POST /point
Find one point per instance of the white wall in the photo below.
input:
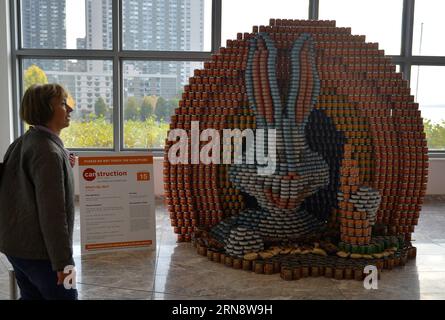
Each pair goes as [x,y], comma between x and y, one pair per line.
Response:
[6,132]
[436,177]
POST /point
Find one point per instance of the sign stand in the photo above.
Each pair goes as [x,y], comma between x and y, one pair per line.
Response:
[117,206]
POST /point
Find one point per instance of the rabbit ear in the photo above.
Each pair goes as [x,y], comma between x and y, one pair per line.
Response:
[261,81]
[304,87]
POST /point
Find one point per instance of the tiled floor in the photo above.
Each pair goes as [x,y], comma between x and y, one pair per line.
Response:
[175,271]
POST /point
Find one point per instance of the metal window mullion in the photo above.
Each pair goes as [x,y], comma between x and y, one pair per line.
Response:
[65,54]
[406,71]
[119,125]
[165,55]
[15,70]
[216,25]
[313,9]
[117,106]
[407,28]
[107,54]
[407,37]
[117,26]
[427,60]
[17,6]
[436,154]
[397,59]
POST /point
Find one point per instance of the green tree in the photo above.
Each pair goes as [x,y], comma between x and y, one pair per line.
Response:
[153,100]
[98,133]
[101,108]
[161,109]
[172,105]
[93,133]
[131,111]
[165,108]
[34,75]
[145,134]
[435,134]
[147,108]
[179,94]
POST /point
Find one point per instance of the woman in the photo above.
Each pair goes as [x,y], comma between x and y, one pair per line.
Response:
[37,198]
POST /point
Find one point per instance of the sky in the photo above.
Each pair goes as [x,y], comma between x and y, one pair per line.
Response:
[379,20]
[75,22]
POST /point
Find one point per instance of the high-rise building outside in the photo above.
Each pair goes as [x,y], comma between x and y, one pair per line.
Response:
[161,25]
[43,27]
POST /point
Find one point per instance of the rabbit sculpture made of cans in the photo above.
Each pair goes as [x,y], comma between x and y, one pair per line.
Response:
[300,171]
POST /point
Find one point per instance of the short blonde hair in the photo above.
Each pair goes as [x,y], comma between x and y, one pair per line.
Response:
[36,108]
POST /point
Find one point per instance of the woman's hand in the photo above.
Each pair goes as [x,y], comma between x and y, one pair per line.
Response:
[61,276]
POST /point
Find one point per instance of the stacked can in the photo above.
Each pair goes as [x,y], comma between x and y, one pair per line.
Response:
[364,125]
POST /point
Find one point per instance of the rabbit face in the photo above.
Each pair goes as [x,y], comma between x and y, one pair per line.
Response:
[284,191]
[300,171]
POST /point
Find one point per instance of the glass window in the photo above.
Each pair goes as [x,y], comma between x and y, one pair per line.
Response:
[165,26]
[379,20]
[56,24]
[427,86]
[428,28]
[241,16]
[91,122]
[152,90]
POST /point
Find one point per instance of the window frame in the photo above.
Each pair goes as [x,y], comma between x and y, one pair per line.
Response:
[117,55]
[406,59]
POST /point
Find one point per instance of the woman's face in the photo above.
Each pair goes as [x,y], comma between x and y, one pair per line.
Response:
[61,116]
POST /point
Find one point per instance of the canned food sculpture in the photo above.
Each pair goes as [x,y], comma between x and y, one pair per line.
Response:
[351,155]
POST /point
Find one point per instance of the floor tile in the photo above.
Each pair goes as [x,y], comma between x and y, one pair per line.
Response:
[90,292]
[174,271]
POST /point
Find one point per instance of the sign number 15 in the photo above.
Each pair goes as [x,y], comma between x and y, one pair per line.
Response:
[143,176]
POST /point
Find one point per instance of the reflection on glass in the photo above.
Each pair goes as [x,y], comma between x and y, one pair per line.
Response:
[427,86]
[429,24]
[379,20]
[241,16]
[90,84]
[152,90]
[167,25]
[67,24]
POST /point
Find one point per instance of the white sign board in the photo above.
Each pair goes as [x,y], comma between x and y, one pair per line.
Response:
[117,208]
